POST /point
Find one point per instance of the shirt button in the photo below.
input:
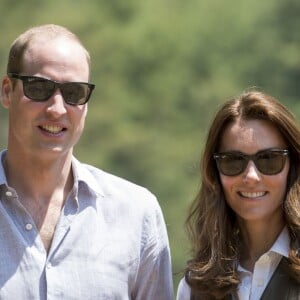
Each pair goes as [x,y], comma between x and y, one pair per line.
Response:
[49,266]
[8,193]
[28,226]
[260,282]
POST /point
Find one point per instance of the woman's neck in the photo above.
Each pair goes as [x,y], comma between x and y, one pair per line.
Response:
[257,238]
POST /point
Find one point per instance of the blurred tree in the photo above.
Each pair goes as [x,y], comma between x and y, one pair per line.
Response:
[161,68]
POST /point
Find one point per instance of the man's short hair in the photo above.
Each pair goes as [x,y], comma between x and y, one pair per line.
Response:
[37,34]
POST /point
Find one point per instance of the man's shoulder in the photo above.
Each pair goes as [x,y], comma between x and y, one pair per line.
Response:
[115,180]
[112,185]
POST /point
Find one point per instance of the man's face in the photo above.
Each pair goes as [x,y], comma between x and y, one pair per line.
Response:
[51,127]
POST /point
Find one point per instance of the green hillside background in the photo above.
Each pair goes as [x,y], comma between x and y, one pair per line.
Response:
[161,69]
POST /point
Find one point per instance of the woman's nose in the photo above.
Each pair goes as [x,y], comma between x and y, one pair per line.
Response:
[251,172]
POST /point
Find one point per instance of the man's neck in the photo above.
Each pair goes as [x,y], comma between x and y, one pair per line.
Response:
[42,189]
[37,178]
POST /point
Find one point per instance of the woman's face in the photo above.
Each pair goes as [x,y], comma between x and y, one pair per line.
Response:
[252,195]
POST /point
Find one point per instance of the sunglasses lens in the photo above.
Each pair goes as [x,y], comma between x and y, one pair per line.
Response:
[75,93]
[41,89]
[270,162]
[38,89]
[231,164]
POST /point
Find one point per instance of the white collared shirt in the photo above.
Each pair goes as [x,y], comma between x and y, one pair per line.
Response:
[253,284]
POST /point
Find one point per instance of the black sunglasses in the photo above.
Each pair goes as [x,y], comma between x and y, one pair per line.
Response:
[268,162]
[41,89]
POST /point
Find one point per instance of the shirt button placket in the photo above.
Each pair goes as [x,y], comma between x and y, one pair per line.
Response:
[8,193]
[28,226]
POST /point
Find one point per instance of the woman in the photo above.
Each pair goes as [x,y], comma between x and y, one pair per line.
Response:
[244,224]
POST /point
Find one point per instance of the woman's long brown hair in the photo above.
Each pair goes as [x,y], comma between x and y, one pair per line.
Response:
[211,224]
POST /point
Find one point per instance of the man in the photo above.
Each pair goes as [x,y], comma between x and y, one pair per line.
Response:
[68,230]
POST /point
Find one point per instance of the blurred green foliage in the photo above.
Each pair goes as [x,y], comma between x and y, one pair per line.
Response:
[161,68]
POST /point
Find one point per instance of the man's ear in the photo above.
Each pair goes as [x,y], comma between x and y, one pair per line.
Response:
[6,90]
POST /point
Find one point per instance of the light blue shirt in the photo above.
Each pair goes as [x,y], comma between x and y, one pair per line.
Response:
[110,243]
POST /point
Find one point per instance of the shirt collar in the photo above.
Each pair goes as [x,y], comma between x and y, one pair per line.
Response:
[86,174]
[280,247]
[81,174]
[2,172]
[282,243]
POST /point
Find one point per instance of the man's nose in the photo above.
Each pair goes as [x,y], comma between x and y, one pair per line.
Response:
[56,104]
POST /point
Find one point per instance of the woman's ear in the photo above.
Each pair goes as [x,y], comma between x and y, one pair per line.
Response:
[6,90]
